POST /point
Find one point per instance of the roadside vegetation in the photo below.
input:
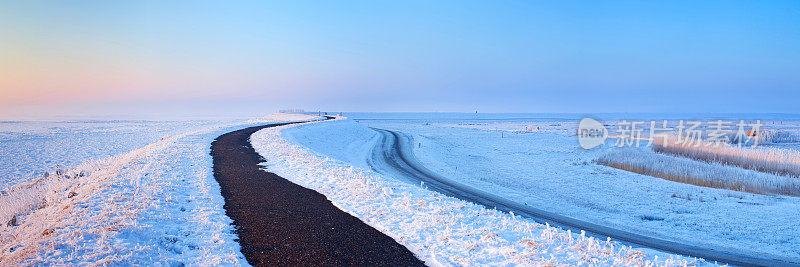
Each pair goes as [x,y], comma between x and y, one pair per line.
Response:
[778,137]
[710,173]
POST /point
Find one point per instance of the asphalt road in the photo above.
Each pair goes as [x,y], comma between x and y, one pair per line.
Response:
[280,223]
[393,155]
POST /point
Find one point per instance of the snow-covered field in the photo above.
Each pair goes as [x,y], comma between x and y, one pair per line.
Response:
[158,204]
[30,148]
[547,169]
[329,157]
[559,127]
[144,193]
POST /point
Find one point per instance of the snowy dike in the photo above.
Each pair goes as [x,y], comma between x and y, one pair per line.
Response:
[158,204]
[330,158]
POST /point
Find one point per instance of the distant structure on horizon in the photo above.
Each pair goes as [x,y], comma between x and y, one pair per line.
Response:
[296,110]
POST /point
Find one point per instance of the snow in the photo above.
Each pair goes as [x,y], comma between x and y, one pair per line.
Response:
[158,204]
[685,170]
[143,193]
[329,138]
[29,148]
[328,157]
[549,171]
[559,127]
[776,160]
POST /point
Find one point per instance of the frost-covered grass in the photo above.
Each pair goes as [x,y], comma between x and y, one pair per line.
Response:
[685,170]
[30,148]
[551,172]
[765,159]
[441,230]
[37,193]
[156,205]
[778,136]
[66,208]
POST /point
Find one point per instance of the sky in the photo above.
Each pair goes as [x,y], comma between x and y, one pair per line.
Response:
[130,59]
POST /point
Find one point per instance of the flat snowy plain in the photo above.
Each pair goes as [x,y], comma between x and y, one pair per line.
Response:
[29,148]
[147,193]
[157,204]
[546,169]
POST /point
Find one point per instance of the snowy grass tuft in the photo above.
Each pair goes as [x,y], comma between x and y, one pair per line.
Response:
[156,205]
[765,159]
[92,201]
[442,230]
[685,170]
[38,192]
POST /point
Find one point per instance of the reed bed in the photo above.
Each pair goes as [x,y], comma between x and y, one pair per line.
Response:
[707,174]
[764,159]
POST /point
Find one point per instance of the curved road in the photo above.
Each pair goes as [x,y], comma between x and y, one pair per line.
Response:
[394,155]
[280,223]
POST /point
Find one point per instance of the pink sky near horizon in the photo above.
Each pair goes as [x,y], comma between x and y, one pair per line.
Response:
[94,58]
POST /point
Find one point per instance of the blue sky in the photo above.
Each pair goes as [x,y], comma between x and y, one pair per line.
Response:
[240,58]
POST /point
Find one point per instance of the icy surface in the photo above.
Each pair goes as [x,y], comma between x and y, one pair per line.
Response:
[440,230]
